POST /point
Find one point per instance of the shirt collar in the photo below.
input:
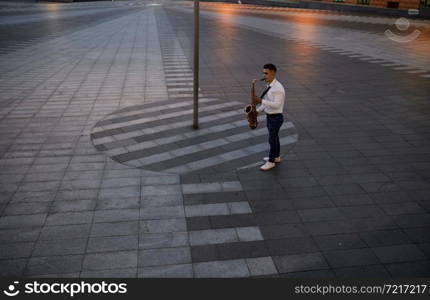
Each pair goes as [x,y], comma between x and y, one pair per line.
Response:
[273,82]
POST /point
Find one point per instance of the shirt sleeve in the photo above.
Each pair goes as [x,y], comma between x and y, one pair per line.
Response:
[260,108]
[277,102]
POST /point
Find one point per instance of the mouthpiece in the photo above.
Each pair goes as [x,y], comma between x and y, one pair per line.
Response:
[262,79]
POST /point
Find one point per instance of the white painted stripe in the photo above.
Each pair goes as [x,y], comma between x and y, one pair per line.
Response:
[176,79]
[162,117]
[180,75]
[228,156]
[175,125]
[224,235]
[175,69]
[157,108]
[229,208]
[211,187]
[185,89]
[133,145]
[404,68]
[195,148]
[417,71]
[179,84]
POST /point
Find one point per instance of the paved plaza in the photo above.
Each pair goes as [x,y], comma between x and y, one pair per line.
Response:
[102,174]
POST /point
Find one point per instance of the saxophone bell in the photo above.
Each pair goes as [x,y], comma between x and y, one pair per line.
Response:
[247,109]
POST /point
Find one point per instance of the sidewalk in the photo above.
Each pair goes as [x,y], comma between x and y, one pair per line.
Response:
[335,7]
[101,173]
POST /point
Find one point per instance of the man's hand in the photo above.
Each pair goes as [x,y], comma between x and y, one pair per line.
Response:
[254,81]
[256,100]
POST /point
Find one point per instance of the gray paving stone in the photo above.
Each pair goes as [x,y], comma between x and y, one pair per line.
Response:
[164,256]
[170,271]
[156,213]
[72,206]
[409,269]
[120,182]
[38,186]
[26,208]
[116,215]
[215,236]
[12,267]
[159,180]
[261,266]
[28,197]
[239,208]
[160,190]
[402,208]
[161,201]
[112,243]
[398,253]
[60,247]
[206,210]
[300,262]
[384,237]
[120,192]
[122,173]
[320,214]
[339,241]
[112,273]
[314,274]
[165,225]
[413,220]
[372,271]
[221,269]
[114,203]
[198,188]
[344,189]
[80,184]
[77,195]
[110,260]
[53,265]
[251,233]
[19,235]
[163,240]
[12,222]
[16,250]
[65,232]
[115,229]
[69,218]
[351,257]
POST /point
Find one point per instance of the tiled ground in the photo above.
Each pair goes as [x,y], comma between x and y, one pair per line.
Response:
[351,199]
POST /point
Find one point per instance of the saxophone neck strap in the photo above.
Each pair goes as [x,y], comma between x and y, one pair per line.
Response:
[265,92]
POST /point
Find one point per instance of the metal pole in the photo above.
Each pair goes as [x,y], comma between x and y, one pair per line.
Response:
[196,65]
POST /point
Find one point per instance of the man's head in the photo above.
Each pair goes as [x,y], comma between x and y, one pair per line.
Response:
[269,72]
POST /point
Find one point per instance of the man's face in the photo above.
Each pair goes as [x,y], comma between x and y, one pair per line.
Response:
[269,75]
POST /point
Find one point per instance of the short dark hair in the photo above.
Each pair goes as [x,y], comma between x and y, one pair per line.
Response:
[270,67]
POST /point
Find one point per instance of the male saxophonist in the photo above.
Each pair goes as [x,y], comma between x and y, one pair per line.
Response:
[272,103]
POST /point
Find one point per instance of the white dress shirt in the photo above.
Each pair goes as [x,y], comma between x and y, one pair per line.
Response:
[274,100]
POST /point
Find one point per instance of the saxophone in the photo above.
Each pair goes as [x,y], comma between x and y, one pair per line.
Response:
[251,109]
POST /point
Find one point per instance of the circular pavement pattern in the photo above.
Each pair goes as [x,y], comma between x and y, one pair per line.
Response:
[159,136]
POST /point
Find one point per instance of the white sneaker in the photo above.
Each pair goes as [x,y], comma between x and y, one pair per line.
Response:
[267,166]
[277,159]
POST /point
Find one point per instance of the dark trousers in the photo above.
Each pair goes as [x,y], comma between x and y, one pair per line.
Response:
[274,123]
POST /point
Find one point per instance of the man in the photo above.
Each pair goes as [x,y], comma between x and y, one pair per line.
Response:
[272,103]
